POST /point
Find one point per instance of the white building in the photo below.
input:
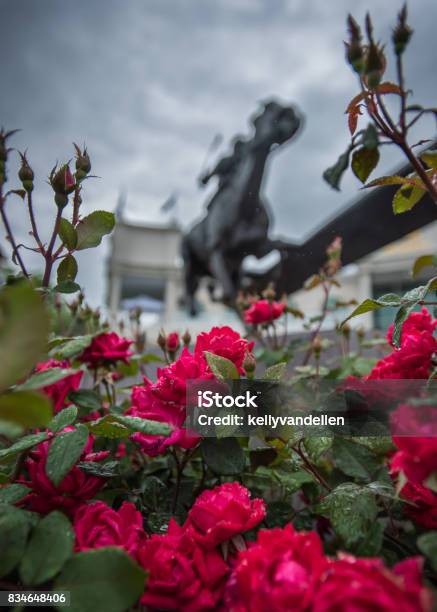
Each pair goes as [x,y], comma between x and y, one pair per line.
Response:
[145,270]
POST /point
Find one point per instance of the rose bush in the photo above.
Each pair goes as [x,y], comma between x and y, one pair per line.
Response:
[106,493]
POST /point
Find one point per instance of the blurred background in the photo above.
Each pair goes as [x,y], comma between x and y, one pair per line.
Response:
[156,89]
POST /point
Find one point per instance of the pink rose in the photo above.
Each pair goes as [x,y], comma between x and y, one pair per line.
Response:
[105,350]
[98,525]
[226,342]
[279,572]
[172,342]
[182,576]
[76,487]
[222,513]
[351,584]
[263,311]
[58,391]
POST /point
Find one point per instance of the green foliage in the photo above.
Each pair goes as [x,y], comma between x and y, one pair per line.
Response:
[354,459]
[91,229]
[10,494]
[406,197]
[221,367]
[427,544]
[22,444]
[104,579]
[49,547]
[26,408]
[352,511]
[224,456]
[64,452]
[275,372]
[14,528]
[24,328]
[364,161]
[68,234]
[65,417]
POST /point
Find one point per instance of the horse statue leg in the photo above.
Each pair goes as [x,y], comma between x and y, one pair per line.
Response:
[191,277]
[220,270]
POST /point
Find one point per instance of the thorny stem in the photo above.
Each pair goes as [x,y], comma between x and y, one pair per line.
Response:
[298,449]
[15,251]
[319,326]
[49,253]
[400,71]
[180,466]
[33,223]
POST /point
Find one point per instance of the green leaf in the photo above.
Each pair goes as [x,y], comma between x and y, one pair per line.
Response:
[430,159]
[64,452]
[427,543]
[44,378]
[317,446]
[145,426]
[14,527]
[103,470]
[67,286]
[431,482]
[401,316]
[222,368]
[12,493]
[86,400]
[406,198]
[293,481]
[50,546]
[369,305]
[354,459]
[370,137]
[67,234]
[425,261]
[109,427]
[275,372]
[27,408]
[92,228]
[224,456]
[23,444]
[333,174]
[67,269]
[371,545]
[63,419]
[352,511]
[71,347]
[103,579]
[364,161]
[394,180]
[24,327]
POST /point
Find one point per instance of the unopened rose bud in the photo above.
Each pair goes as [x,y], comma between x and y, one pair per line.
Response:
[361,333]
[62,181]
[354,49]
[249,363]
[402,32]
[186,338]
[61,200]
[172,343]
[26,174]
[375,66]
[317,346]
[161,340]
[83,163]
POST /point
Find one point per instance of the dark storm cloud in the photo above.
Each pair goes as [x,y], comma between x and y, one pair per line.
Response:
[148,83]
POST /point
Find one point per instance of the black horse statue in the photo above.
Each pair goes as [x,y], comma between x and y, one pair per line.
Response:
[237,220]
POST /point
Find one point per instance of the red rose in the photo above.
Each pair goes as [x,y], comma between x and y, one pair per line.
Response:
[413,359]
[226,342]
[263,311]
[221,513]
[76,488]
[417,456]
[58,391]
[351,584]
[279,572]
[165,401]
[182,576]
[105,350]
[98,525]
[172,342]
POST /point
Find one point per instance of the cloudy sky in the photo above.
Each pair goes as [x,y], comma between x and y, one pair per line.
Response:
[148,83]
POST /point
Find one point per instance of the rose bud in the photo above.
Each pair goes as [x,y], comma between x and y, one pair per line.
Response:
[62,181]
[172,342]
[354,50]
[25,174]
[186,338]
[402,32]
[249,363]
[375,66]
[83,163]
[161,340]
[317,346]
